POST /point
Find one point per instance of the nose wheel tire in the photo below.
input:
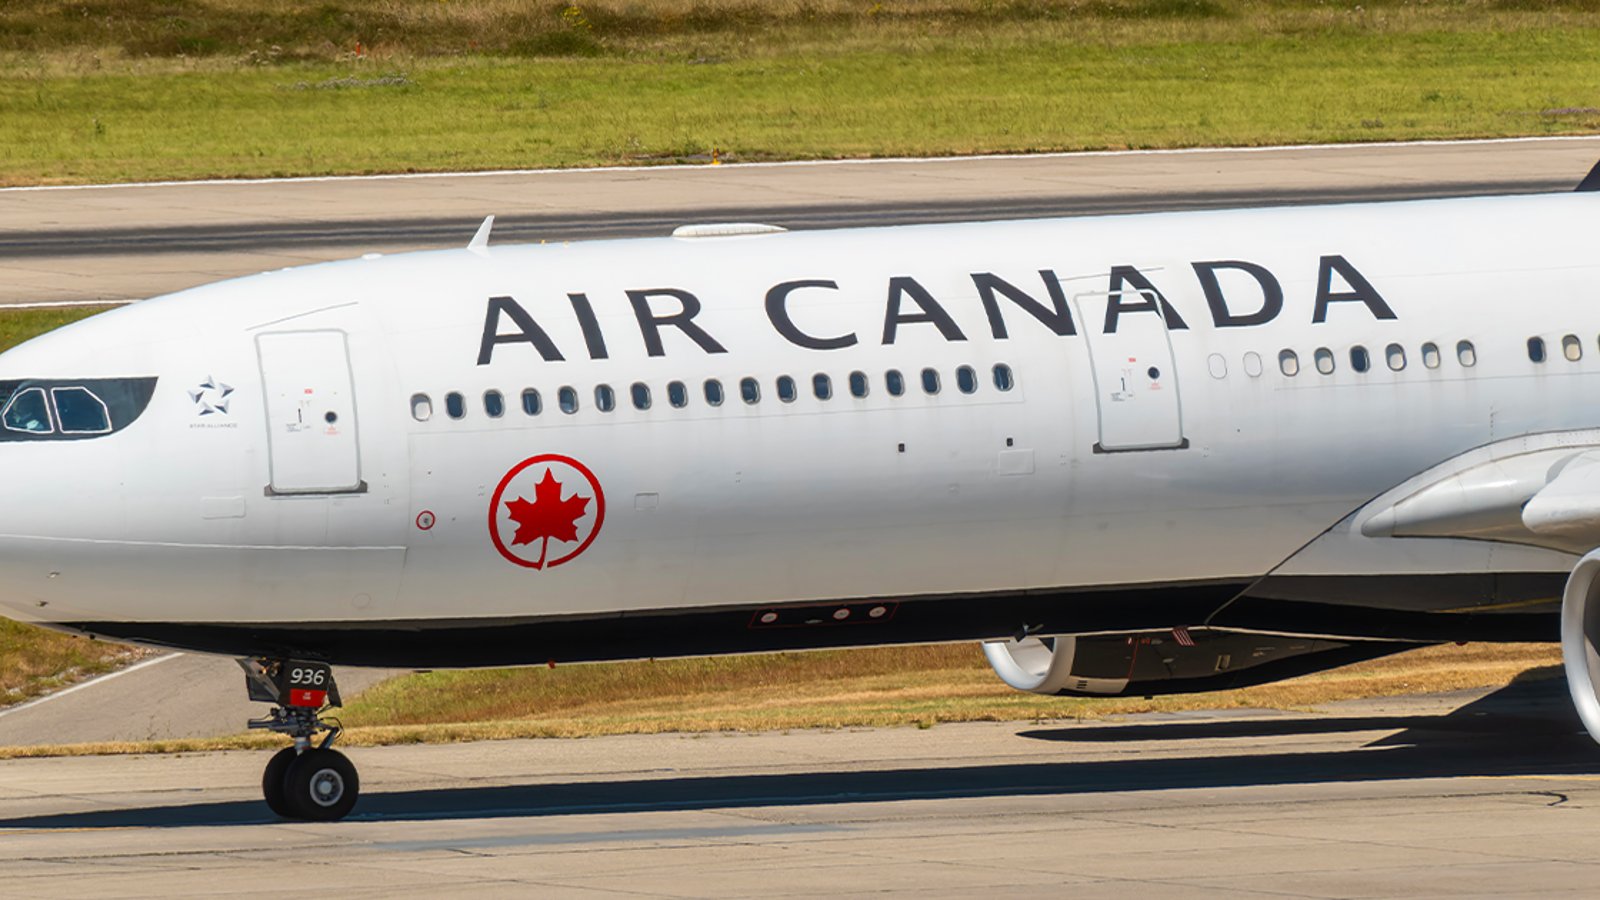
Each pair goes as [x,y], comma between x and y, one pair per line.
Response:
[318,785]
[272,782]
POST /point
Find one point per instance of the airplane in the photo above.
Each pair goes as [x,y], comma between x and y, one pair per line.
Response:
[1131,454]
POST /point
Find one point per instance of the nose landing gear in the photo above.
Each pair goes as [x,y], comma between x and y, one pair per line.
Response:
[306,781]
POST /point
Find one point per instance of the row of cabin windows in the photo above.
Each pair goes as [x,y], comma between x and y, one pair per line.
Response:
[1394,356]
[749,390]
[1571,348]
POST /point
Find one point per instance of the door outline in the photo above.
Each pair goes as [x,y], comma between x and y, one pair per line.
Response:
[1094,339]
[360,486]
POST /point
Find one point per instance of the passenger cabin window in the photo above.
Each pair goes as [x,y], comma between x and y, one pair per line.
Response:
[567,399]
[1360,360]
[677,394]
[1395,356]
[1252,364]
[1003,379]
[28,411]
[713,392]
[1466,354]
[894,382]
[455,405]
[1572,348]
[605,399]
[786,389]
[822,386]
[1288,363]
[966,380]
[1430,355]
[858,384]
[930,381]
[531,402]
[750,391]
[1536,349]
[1217,366]
[494,404]
[641,395]
[1324,358]
[421,407]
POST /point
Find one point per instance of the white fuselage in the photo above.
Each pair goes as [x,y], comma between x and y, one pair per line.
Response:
[1174,451]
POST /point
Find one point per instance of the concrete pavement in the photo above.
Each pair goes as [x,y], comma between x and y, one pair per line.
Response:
[175,695]
[1455,795]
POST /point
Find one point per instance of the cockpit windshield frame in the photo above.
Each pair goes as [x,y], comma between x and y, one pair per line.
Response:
[21,396]
[120,402]
[61,417]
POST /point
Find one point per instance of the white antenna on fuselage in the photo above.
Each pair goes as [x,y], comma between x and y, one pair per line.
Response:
[480,241]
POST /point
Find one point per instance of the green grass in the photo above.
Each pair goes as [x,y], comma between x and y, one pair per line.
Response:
[482,84]
[18,325]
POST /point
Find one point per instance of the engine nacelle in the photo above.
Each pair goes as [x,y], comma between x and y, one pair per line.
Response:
[1179,661]
[1580,628]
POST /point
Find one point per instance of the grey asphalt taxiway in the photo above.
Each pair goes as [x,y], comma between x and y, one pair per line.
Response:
[1440,796]
[127,242]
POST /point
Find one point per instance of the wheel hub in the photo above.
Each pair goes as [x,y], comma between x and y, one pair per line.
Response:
[327,787]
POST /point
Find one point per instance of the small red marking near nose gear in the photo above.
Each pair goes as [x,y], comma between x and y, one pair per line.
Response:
[426,519]
[302,697]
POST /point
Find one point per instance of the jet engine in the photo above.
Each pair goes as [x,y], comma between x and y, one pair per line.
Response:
[1180,661]
[1580,627]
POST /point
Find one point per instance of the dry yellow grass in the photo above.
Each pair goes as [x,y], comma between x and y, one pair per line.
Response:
[919,686]
[34,661]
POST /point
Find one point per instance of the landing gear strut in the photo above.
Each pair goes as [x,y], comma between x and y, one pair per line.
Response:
[309,780]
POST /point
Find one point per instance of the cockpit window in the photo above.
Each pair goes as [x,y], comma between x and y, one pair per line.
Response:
[28,411]
[71,409]
[79,411]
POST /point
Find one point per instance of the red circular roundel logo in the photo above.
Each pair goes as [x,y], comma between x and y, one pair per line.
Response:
[546,511]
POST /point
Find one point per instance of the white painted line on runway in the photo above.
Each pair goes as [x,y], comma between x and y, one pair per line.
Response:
[87,684]
[799,163]
[63,304]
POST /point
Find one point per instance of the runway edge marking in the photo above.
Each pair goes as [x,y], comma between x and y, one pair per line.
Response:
[145,664]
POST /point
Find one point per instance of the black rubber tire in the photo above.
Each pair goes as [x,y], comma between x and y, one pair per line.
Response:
[321,786]
[272,782]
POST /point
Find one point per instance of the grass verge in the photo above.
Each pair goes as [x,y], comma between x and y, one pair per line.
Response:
[34,661]
[902,686]
[227,89]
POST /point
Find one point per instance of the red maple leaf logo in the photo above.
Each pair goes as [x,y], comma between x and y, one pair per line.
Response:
[547,516]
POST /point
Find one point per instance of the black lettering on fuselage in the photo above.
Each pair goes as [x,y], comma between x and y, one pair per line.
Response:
[1271,293]
[650,323]
[528,331]
[778,314]
[1057,317]
[1123,277]
[905,286]
[593,338]
[1360,290]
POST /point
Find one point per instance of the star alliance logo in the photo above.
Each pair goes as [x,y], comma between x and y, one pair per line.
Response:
[211,397]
